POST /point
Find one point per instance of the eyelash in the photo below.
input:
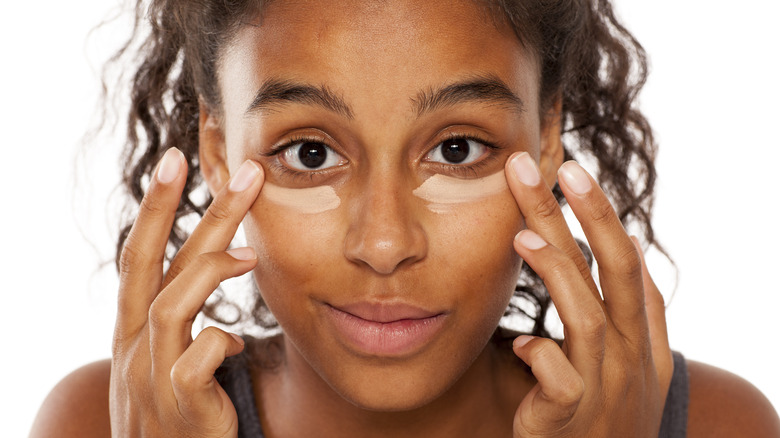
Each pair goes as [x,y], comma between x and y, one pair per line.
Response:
[286,171]
[470,170]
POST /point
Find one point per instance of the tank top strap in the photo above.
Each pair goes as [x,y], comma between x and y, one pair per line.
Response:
[674,423]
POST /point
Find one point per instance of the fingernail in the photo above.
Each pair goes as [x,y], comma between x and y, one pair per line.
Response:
[237,338]
[530,240]
[169,166]
[575,177]
[244,177]
[525,169]
[245,253]
[521,341]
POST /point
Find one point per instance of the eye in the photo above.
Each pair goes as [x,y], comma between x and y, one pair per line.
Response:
[457,151]
[309,155]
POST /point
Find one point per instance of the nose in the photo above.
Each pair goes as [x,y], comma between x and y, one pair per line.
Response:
[384,233]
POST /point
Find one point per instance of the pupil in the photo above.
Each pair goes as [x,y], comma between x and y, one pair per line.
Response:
[455,150]
[312,155]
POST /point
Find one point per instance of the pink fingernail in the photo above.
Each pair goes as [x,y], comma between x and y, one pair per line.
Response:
[530,240]
[245,253]
[244,177]
[169,166]
[575,177]
[524,167]
[521,341]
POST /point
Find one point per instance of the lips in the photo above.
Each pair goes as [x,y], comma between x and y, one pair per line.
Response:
[385,313]
[376,329]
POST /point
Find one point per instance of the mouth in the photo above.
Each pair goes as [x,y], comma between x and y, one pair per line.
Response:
[386,330]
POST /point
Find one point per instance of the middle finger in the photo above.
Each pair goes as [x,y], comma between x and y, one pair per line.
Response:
[220,222]
[620,268]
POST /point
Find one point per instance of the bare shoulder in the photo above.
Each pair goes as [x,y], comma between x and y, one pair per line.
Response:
[78,405]
[723,404]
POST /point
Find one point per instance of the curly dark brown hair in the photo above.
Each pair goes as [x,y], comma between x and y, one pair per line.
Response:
[589,62]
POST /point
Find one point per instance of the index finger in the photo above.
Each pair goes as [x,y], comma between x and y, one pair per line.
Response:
[221,220]
[542,213]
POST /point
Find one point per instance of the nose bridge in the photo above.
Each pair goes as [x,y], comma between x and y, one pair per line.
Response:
[384,232]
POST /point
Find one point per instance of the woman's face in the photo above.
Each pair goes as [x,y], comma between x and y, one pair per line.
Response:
[384,229]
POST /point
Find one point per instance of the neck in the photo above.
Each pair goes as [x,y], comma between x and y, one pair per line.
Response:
[295,401]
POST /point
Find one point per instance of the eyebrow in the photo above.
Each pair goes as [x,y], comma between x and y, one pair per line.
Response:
[276,92]
[484,89]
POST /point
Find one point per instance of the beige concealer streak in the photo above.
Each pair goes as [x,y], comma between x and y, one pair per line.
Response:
[310,200]
[444,192]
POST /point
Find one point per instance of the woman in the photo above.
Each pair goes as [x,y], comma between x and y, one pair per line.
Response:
[392,165]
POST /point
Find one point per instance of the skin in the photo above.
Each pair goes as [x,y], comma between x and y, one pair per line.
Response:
[303,201]
[609,378]
[380,240]
[445,193]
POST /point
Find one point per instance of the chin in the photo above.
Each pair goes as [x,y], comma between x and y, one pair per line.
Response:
[389,396]
[403,385]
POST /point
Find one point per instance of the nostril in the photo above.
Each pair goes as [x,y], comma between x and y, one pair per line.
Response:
[384,250]
[384,232]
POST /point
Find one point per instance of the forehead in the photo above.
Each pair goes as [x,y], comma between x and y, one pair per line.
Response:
[375,54]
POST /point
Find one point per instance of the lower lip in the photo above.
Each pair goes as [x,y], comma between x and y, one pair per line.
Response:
[395,338]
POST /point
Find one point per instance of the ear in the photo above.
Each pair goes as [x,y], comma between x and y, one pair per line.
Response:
[211,150]
[551,153]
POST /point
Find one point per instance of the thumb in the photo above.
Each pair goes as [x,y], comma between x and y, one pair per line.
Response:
[201,400]
[551,404]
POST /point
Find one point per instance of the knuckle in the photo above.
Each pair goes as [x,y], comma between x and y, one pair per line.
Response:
[209,268]
[558,265]
[161,315]
[571,391]
[131,257]
[217,213]
[593,324]
[603,213]
[548,208]
[183,376]
[212,267]
[152,206]
[627,263]
[543,350]
[214,336]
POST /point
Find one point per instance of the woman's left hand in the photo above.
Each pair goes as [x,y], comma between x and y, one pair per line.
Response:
[612,373]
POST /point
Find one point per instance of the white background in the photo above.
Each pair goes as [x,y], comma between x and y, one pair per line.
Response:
[712,98]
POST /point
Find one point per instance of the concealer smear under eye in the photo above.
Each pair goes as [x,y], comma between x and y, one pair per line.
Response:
[444,192]
[310,200]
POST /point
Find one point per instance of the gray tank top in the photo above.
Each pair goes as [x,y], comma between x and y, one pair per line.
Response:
[235,379]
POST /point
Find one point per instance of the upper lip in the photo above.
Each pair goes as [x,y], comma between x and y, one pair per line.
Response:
[385,312]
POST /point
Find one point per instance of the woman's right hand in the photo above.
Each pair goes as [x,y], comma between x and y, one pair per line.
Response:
[162,381]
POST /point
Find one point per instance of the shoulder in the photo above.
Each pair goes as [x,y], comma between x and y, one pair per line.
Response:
[78,405]
[724,404]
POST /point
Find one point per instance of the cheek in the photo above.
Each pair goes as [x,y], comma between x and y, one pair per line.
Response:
[470,266]
[473,223]
[291,247]
[475,244]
